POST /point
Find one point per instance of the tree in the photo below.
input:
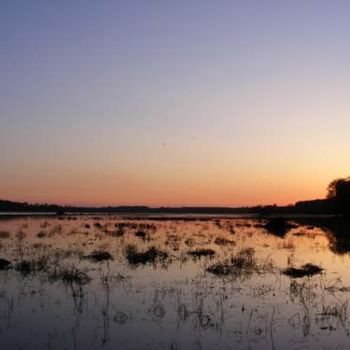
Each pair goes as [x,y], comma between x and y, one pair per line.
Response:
[339,193]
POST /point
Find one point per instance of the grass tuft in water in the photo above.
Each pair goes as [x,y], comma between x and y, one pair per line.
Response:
[305,270]
[151,256]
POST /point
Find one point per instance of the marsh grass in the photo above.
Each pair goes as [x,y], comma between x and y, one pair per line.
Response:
[337,312]
[98,256]
[4,234]
[244,263]
[69,275]
[51,268]
[41,234]
[198,253]
[141,234]
[150,256]
[305,270]
[222,241]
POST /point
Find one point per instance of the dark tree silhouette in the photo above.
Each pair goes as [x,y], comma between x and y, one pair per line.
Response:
[339,193]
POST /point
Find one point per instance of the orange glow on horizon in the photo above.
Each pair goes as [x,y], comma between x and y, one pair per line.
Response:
[163,193]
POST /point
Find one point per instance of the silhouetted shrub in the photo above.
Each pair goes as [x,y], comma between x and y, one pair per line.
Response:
[150,256]
[305,270]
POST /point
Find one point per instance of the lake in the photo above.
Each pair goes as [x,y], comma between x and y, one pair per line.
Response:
[113,282]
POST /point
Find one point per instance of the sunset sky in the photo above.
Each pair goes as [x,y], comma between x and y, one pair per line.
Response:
[222,103]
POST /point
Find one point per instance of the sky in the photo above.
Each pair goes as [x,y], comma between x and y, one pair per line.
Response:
[221,103]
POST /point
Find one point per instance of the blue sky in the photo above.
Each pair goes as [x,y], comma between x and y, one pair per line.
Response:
[250,98]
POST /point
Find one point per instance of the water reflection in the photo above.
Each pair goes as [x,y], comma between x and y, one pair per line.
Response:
[108,282]
[338,230]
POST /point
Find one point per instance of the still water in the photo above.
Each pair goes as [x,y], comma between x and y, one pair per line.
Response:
[106,282]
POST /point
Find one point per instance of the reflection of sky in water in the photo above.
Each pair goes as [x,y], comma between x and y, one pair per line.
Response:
[172,305]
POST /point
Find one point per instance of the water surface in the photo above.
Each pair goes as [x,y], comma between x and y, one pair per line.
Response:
[53,297]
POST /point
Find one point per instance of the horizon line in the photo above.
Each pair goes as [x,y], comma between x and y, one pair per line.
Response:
[155,207]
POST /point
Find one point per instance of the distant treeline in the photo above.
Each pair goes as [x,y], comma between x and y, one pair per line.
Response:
[337,202]
[308,207]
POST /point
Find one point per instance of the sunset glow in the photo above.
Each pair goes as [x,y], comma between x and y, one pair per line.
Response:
[173,103]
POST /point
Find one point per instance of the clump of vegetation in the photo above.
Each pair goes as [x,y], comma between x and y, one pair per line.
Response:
[221,269]
[305,270]
[141,234]
[98,256]
[69,275]
[151,256]
[242,264]
[24,267]
[279,226]
[223,241]
[20,235]
[148,227]
[4,234]
[245,259]
[4,264]
[56,230]
[119,231]
[288,244]
[142,230]
[48,267]
[27,267]
[41,234]
[339,311]
[126,225]
[337,287]
[189,242]
[98,225]
[198,253]
[229,226]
